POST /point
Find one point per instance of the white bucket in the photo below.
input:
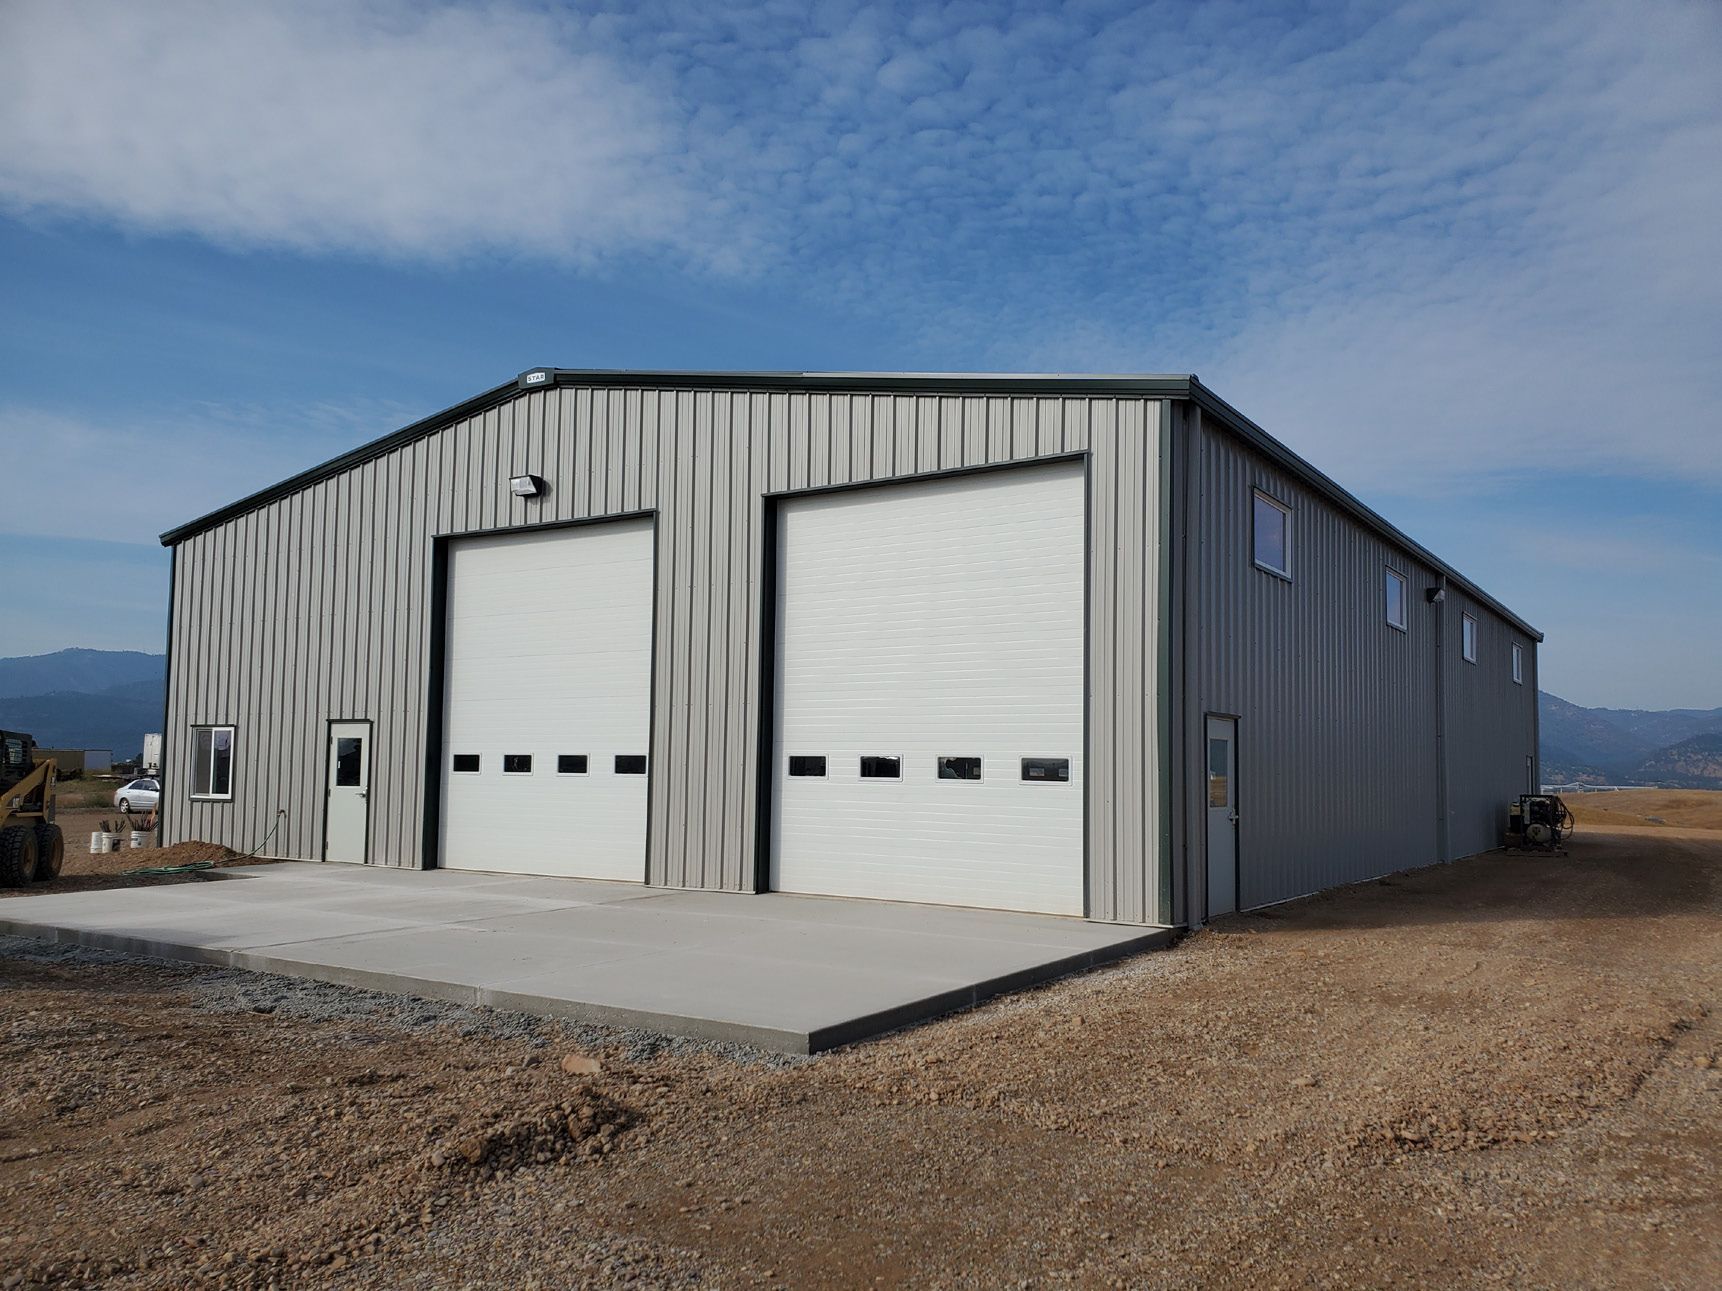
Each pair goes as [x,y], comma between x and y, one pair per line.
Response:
[140,838]
[100,842]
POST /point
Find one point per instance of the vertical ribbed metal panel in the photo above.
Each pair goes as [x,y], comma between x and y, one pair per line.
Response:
[1337,711]
[316,606]
[1491,727]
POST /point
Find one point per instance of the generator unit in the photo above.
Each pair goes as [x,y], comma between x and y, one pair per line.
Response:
[1538,822]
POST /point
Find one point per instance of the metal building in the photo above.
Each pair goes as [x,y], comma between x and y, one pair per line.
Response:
[1084,645]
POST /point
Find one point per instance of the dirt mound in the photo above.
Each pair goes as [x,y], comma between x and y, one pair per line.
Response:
[190,853]
[587,1124]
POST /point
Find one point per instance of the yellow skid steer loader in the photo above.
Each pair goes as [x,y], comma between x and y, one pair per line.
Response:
[31,845]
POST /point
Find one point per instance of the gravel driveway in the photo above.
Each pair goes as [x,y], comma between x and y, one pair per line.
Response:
[1501,1072]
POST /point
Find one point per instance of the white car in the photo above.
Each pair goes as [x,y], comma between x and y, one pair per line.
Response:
[139,795]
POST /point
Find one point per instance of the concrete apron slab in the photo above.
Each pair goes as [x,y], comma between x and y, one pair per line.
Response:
[796,974]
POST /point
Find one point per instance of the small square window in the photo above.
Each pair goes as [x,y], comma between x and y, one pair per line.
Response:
[1272,535]
[1518,664]
[465,763]
[959,768]
[1396,599]
[875,767]
[570,764]
[1046,770]
[1468,638]
[516,764]
[807,764]
[630,764]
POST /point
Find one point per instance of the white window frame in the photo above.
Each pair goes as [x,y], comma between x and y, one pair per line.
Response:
[979,757]
[1518,664]
[1393,575]
[209,795]
[1468,637]
[902,769]
[1285,510]
[1070,763]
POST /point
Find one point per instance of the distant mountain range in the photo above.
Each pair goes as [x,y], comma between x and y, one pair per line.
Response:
[84,699]
[108,699]
[1678,748]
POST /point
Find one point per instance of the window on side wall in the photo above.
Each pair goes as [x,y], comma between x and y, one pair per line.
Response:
[1518,664]
[1396,588]
[212,762]
[1468,639]
[1272,525]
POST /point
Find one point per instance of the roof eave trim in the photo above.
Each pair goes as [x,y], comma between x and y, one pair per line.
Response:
[1162,387]
[345,462]
[1324,484]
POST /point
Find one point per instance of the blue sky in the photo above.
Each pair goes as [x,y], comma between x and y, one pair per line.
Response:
[1462,256]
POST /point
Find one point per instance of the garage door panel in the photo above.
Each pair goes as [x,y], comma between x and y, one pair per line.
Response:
[548,652]
[928,619]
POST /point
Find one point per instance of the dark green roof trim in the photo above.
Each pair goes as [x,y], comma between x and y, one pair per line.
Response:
[1185,387]
[1280,455]
[345,462]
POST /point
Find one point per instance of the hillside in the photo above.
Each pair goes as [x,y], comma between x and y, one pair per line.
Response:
[1679,748]
[84,699]
[1691,764]
[78,671]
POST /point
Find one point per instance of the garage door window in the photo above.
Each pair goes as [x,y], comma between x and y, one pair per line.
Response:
[464,764]
[875,767]
[807,764]
[1046,770]
[570,764]
[630,764]
[212,762]
[959,768]
[516,764]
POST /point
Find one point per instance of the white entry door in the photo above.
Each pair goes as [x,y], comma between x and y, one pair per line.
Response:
[930,691]
[346,830]
[1222,781]
[548,668]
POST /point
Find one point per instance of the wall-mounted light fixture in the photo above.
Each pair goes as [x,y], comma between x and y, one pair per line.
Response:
[525,486]
[1435,595]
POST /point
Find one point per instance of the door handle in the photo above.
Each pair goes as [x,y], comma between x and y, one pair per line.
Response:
[1233,814]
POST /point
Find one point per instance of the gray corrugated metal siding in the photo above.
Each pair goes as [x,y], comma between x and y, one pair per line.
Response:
[1337,711]
[315,605]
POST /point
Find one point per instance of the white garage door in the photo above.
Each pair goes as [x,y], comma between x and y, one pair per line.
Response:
[930,692]
[548,666]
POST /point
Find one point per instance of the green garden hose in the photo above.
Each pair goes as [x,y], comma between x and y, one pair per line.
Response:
[151,871]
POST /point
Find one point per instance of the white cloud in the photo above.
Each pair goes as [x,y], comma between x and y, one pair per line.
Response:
[1424,243]
[379,126]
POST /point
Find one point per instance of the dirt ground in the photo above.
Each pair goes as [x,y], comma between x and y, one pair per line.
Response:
[1498,1073]
[1679,808]
[83,871]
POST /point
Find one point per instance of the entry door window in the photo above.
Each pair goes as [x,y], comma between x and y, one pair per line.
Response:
[349,762]
[1219,773]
